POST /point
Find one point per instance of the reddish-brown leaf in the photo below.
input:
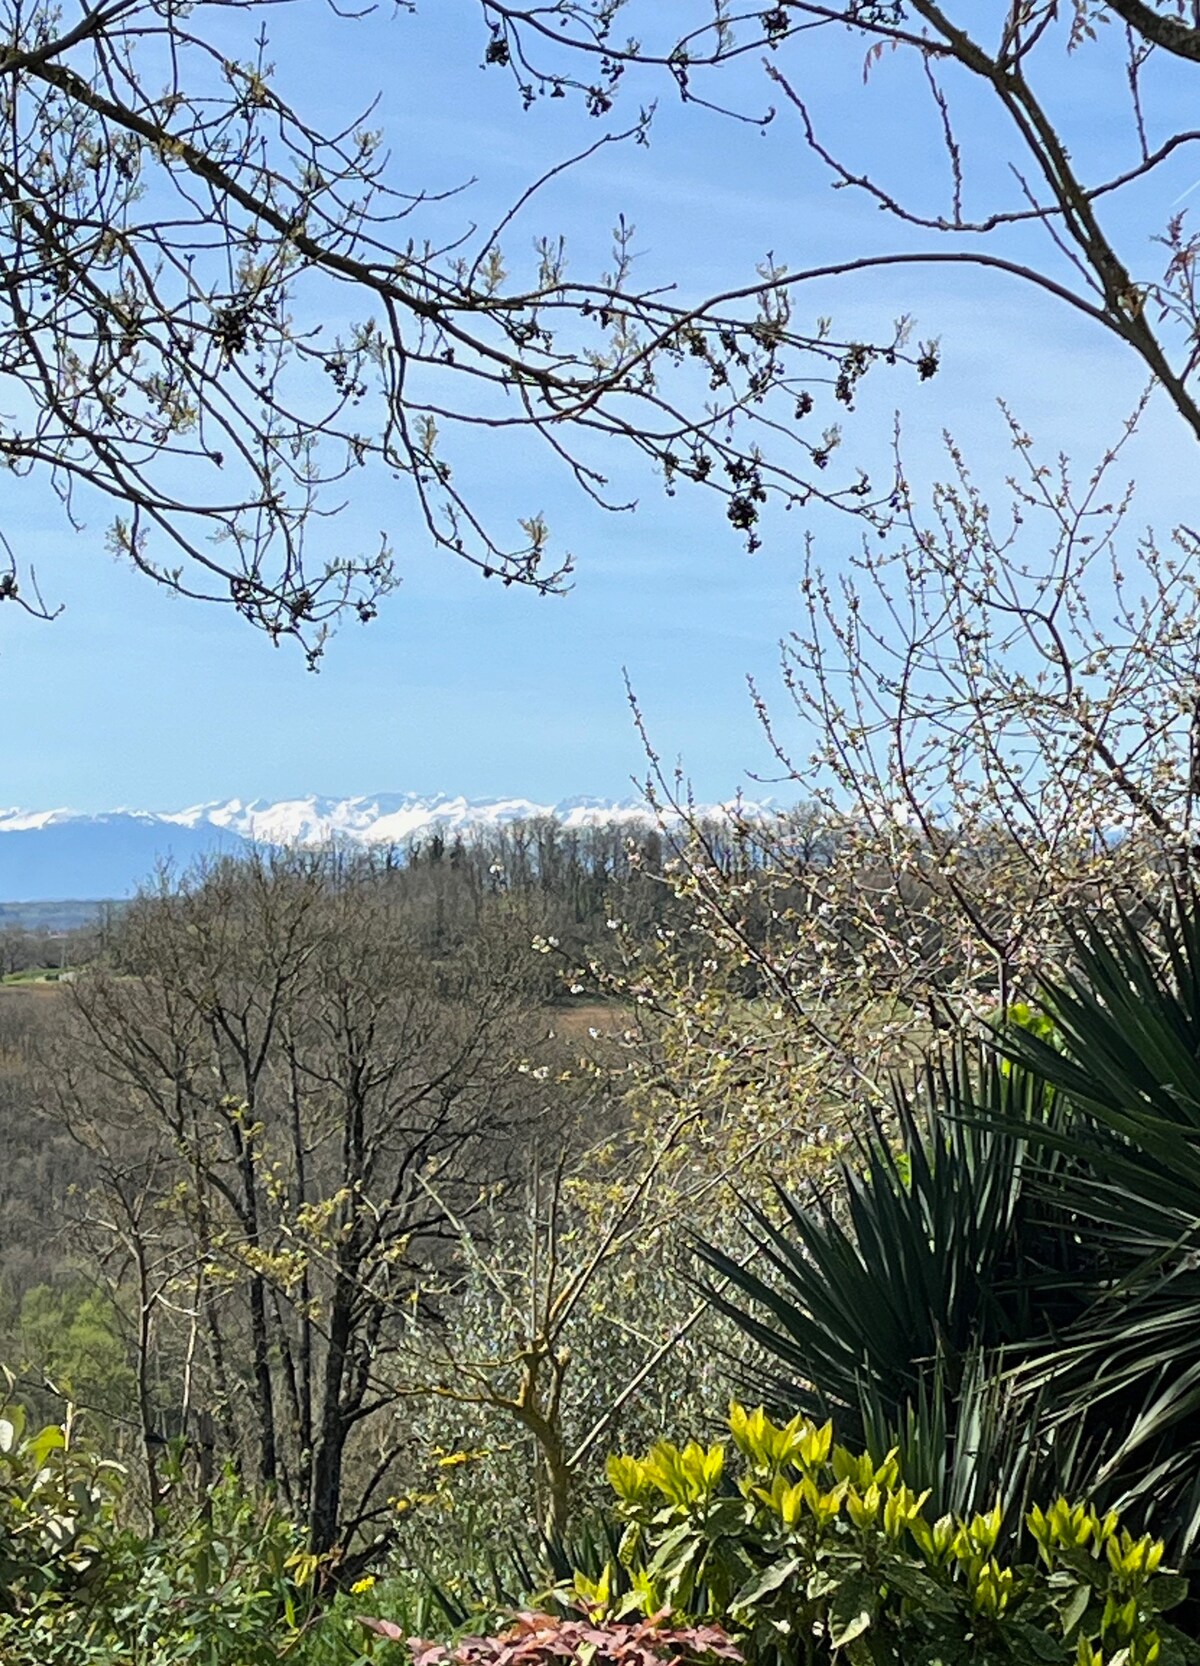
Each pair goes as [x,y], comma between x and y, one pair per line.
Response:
[385,1628]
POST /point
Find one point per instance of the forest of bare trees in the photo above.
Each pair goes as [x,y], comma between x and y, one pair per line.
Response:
[255,1134]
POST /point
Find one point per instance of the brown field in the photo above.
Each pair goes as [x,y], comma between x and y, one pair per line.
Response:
[577,1019]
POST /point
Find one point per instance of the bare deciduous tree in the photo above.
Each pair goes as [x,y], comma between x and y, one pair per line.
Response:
[1074,219]
[175,236]
[272,1076]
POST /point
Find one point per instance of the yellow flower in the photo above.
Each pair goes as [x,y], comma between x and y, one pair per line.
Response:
[453,1459]
[361,1585]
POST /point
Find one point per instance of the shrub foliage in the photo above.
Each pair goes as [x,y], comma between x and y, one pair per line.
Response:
[812,1552]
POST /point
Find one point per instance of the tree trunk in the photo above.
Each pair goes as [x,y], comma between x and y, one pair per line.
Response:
[325,1513]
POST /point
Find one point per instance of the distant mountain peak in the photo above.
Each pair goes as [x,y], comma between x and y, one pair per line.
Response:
[46,855]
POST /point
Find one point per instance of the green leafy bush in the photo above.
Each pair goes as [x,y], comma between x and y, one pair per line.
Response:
[809,1552]
[223,1579]
[56,1514]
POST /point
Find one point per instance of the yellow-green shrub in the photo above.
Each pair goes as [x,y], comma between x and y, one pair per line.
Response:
[808,1552]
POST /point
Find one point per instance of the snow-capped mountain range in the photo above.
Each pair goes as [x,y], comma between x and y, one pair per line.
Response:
[391,818]
[50,854]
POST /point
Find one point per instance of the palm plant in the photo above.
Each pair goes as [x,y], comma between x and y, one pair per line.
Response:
[1012,1289]
[891,1312]
[1127,1011]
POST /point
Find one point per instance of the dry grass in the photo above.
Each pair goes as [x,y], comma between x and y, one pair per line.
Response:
[577,1021]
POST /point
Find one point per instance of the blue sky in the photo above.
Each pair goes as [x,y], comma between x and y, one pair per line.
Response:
[136,698]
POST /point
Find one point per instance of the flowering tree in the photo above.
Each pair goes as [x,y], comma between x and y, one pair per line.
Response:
[991,709]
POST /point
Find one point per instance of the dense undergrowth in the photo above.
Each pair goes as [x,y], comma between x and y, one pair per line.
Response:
[783,1548]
